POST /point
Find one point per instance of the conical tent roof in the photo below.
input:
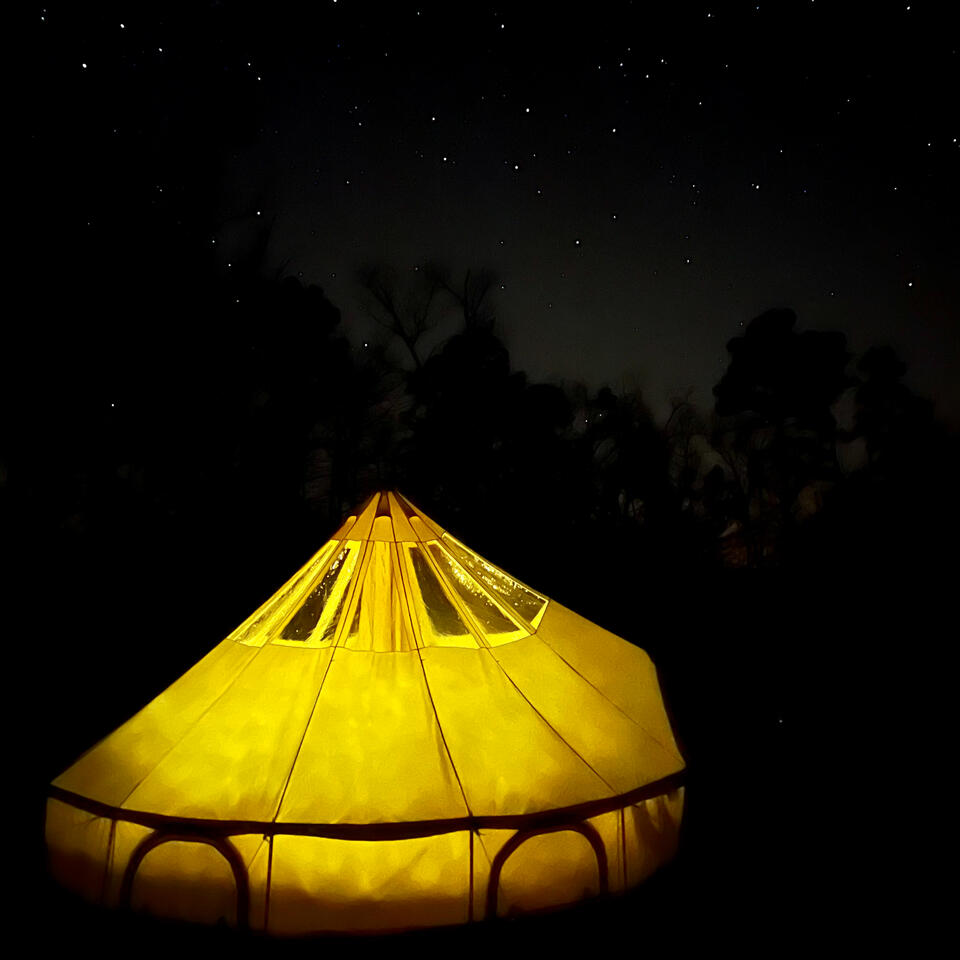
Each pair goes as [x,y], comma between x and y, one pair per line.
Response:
[398,687]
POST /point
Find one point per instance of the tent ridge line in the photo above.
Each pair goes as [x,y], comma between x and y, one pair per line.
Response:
[402,830]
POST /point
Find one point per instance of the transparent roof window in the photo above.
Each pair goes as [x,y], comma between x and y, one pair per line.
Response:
[279,604]
[320,611]
[521,599]
[440,623]
[495,624]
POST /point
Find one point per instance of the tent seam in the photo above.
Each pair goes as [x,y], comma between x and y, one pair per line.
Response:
[351,831]
[303,736]
[192,726]
[569,746]
[333,652]
[553,650]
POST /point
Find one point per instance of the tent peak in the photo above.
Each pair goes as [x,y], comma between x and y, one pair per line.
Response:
[391,580]
[389,515]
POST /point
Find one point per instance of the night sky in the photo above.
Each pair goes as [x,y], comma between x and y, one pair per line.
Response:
[644,179]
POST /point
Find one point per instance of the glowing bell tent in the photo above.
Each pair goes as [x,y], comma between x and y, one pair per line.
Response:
[403,735]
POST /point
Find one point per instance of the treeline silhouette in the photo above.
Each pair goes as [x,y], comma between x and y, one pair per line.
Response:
[251,436]
[267,425]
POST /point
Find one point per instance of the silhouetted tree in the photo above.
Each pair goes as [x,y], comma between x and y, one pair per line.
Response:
[894,513]
[897,426]
[776,429]
[629,454]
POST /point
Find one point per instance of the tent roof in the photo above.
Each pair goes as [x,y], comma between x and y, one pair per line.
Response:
[397,678]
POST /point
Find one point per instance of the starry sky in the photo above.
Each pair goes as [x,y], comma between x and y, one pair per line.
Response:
[643,178]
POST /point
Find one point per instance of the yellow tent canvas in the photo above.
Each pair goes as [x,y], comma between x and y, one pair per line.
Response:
[403,735]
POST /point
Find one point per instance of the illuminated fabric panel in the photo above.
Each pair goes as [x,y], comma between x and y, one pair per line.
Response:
[361,529]
[258,874]
[343,885]
[380,620]
[619,749]
[345,528]
[521,599]
[373,752]
[423,526]
[79,845]
[652,828]
[507,756]
[623,672]
[234,764]
[609,828]
[401,523]
[113,768]
[126,838]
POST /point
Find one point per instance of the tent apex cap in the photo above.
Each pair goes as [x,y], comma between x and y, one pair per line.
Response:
[388,515]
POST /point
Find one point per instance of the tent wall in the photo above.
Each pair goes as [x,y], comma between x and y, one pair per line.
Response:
[295,884]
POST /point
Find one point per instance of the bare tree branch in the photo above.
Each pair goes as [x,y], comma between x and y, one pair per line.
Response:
[472,297]
[407,314]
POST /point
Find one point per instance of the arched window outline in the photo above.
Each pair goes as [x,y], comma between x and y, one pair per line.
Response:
[521,836]
[222,845]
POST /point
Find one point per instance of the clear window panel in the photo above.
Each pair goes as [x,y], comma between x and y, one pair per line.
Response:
[323,604]
[275,605]
[497,627]
[512,593]
[440,623]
